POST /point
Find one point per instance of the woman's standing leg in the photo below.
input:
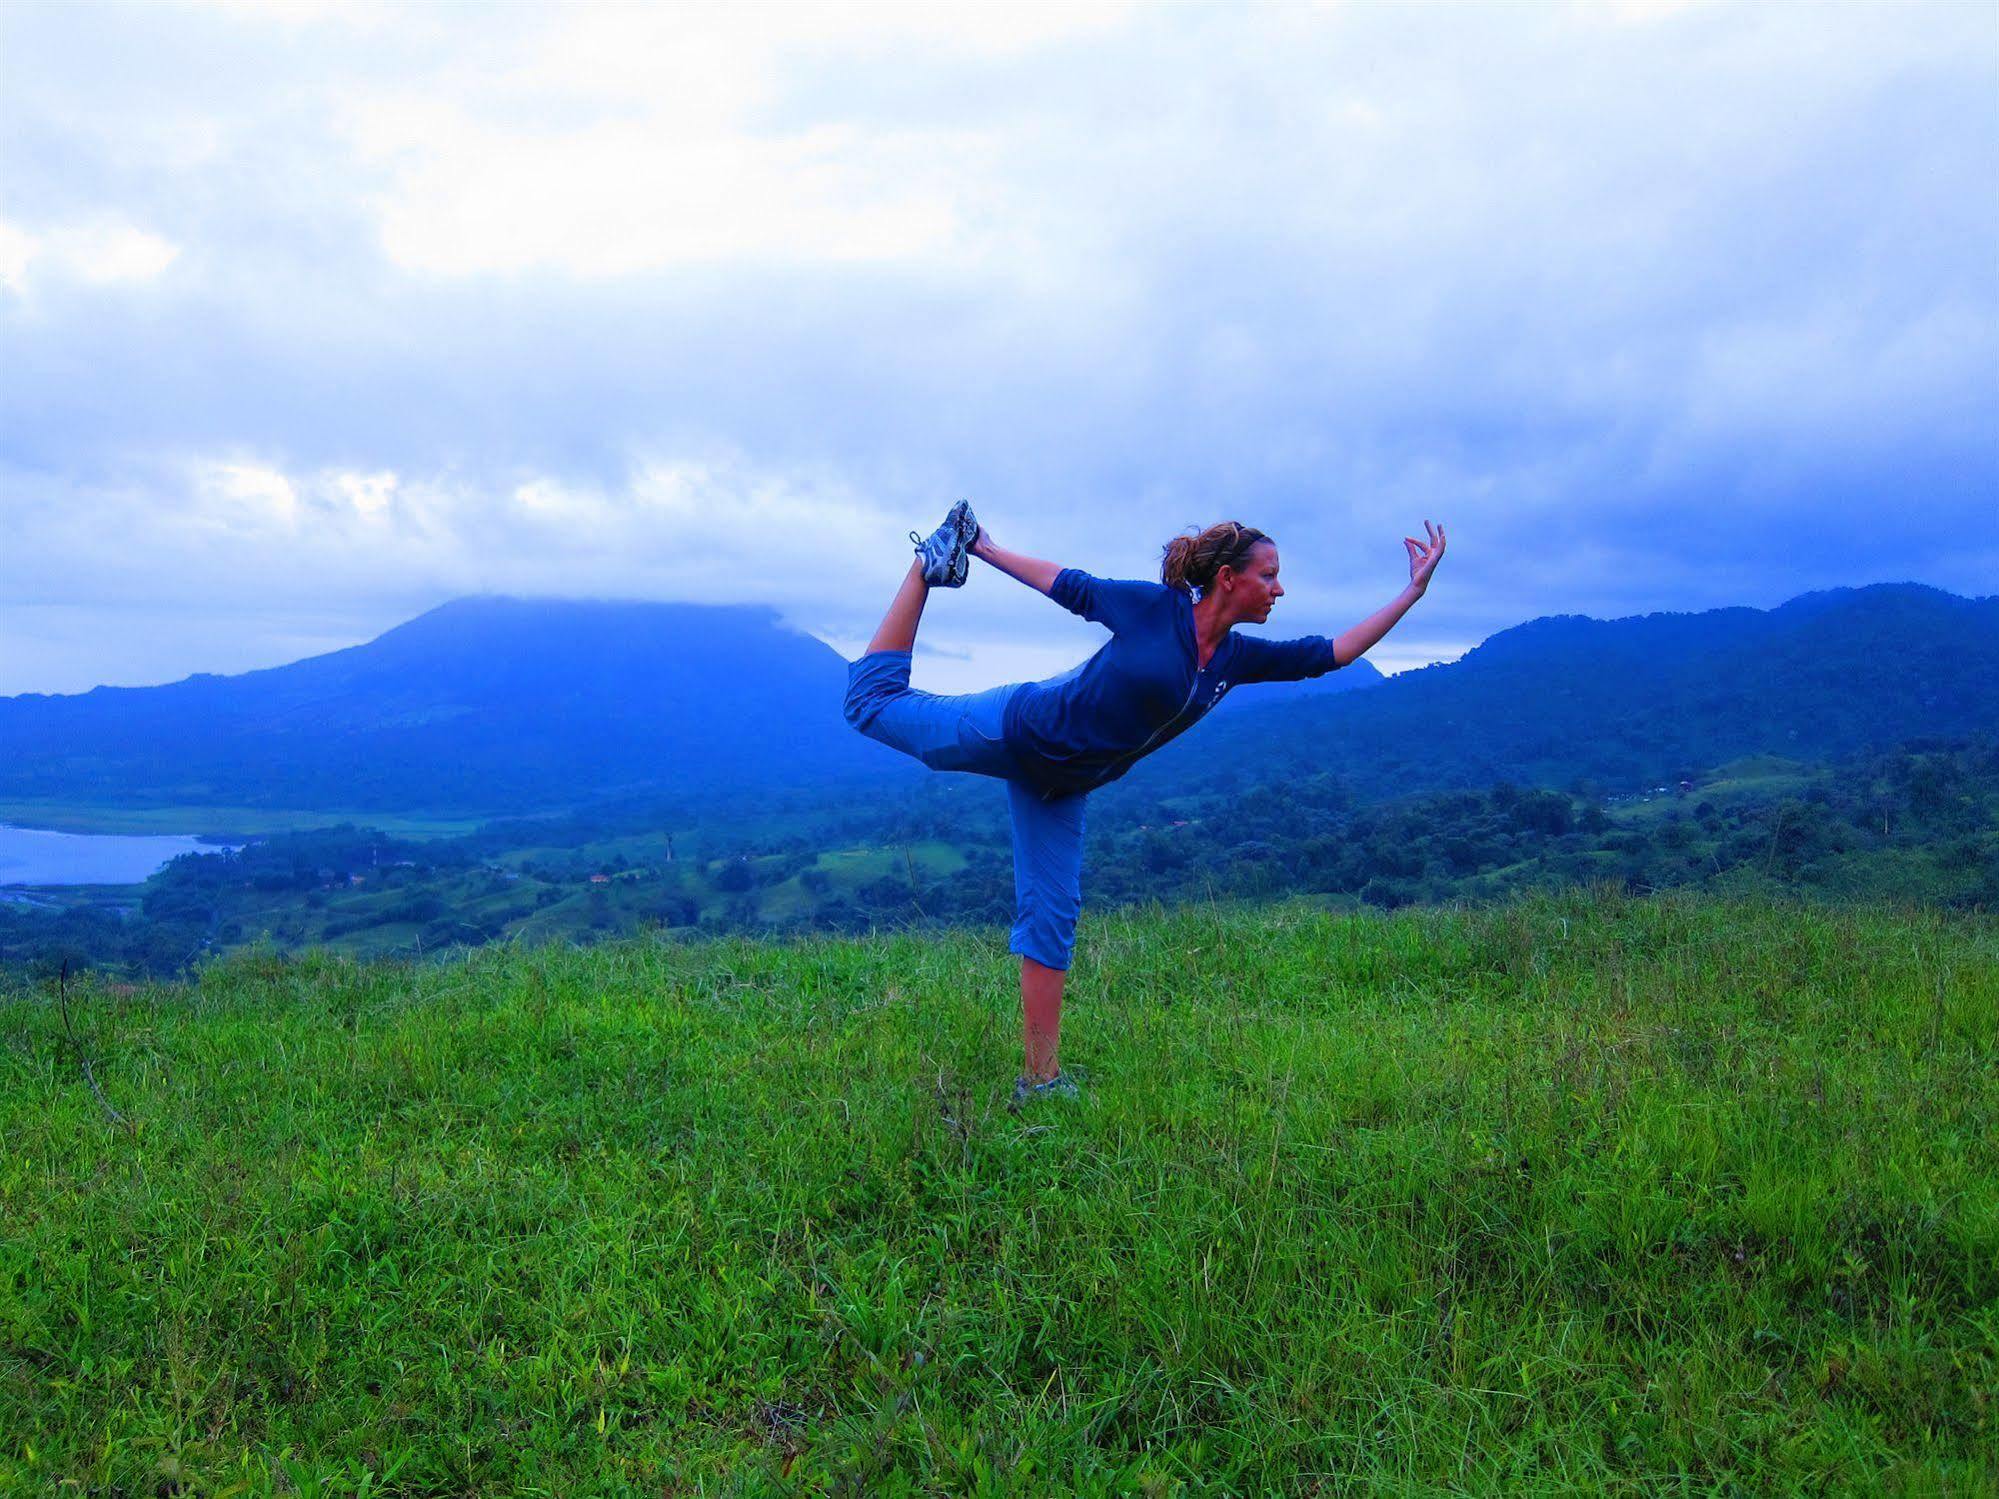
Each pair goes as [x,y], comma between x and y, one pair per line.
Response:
[1041,1018]
[1048,898]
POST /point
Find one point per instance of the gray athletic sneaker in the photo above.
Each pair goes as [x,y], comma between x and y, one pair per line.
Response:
[1026,1091]
[968,523]
[946,551]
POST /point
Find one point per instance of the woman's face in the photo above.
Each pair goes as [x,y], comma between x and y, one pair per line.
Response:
[1256,589]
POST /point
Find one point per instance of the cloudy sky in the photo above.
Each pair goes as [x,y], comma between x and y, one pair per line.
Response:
[315,316]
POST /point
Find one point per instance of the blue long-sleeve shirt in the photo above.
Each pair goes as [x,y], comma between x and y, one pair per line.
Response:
[1090,725]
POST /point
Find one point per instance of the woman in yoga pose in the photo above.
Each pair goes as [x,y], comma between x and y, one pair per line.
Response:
[1173,652]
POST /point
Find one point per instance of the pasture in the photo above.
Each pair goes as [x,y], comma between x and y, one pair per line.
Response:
[1582,1193]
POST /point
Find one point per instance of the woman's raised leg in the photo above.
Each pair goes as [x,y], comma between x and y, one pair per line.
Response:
[946,733]
[898,626]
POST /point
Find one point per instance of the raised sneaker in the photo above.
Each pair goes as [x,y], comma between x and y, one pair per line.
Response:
[968,523]
[944,553]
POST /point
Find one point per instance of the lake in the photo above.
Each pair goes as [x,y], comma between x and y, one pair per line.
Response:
[35,856]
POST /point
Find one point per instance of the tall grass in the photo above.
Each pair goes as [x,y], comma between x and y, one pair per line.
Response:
[1579,1194]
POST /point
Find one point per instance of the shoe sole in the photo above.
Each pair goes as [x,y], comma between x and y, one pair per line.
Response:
[957,559]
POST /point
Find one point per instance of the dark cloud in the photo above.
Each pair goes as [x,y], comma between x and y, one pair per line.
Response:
[1675,310]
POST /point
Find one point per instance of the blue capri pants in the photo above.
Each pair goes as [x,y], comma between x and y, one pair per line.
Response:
[965,733]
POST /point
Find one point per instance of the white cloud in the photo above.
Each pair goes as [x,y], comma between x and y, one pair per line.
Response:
[552,500]
[980,27]
[369,494]
[1647,12]
[715,528]
[103,252]
[624,198]
[17,249]
[236,495]
[612,141]
[295,13]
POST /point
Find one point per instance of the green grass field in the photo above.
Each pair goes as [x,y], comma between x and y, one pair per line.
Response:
[1580,1195]
[1754,778]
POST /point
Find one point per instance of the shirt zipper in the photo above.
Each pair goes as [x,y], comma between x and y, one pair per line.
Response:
[1193,691]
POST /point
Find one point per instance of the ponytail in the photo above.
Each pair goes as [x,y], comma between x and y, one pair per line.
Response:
[1191,562]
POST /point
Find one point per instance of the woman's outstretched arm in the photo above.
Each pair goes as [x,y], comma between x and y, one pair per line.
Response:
[1030,570]
[1350,645]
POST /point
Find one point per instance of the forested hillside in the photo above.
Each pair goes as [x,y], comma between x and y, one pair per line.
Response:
[1842,744]
[1633,702]
[1918,824]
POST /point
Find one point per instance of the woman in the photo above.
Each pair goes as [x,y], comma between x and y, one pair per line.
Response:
[1172,654]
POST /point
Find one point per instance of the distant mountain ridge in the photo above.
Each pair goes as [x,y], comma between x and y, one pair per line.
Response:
[491,706]
[1566,697]
[480,705]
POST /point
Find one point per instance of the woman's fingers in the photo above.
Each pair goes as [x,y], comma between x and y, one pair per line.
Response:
[1435,545]
[1423,555]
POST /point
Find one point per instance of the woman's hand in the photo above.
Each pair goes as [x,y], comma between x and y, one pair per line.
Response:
[1423,559]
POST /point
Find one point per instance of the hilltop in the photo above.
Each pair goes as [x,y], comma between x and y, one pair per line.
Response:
[1583,1193]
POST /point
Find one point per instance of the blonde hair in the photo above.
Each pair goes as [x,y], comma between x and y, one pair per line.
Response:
[1191,562]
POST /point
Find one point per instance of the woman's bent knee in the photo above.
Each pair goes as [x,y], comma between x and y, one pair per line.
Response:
[873,682]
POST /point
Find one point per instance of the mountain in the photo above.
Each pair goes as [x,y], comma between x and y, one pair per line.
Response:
[495,706]
[485,705]
[1631,701]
